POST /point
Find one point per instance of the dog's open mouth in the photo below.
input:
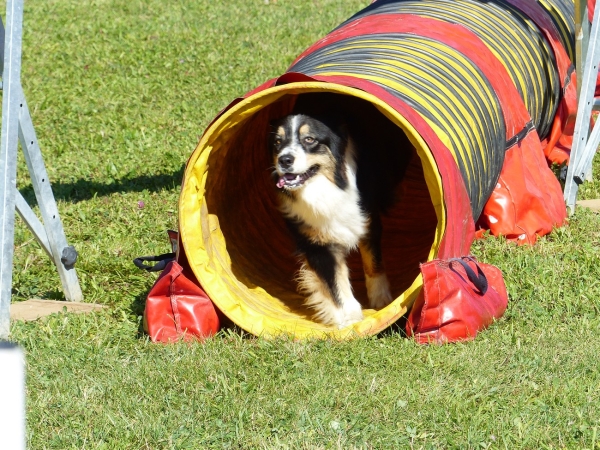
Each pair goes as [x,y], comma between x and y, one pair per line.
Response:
[294,180]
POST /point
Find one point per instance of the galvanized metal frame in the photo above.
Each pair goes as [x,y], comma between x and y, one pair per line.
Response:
[584,143]
[8,153]
[17,126]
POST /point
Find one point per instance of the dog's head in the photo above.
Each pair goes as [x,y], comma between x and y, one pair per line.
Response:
[304,147]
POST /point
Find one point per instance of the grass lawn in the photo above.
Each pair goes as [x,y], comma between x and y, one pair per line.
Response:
[120,91]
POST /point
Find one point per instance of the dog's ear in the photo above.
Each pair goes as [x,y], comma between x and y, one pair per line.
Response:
[342,129]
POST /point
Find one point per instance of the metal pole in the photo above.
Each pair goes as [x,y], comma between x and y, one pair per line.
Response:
[581,153]
[8,154]
[582,37]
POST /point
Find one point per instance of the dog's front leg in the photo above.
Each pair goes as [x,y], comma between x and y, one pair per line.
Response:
[378,286]
[324,279]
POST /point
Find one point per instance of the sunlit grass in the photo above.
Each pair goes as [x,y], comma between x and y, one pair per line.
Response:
[119,92]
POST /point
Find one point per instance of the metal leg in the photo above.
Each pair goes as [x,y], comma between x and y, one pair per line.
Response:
[583,150]
[8,154]
[63,256]
[33,223]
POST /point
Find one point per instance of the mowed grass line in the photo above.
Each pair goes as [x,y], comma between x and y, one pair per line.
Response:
[119,92]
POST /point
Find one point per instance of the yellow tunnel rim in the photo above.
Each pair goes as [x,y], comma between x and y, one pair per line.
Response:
[217,280]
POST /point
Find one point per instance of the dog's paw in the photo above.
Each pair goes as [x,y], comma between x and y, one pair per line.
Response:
[378,291]
[328,313]
[349,316]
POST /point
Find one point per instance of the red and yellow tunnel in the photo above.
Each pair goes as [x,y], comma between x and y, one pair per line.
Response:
[474,85]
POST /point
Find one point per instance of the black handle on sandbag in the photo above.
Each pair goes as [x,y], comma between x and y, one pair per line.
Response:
[479,280]
[163,260]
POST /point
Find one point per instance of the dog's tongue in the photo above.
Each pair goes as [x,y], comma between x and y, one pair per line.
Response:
[285,179]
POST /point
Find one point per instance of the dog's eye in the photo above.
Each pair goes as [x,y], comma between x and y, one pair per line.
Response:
[309,140]
[277,142]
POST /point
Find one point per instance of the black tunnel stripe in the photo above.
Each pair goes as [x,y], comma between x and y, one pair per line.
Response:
[457,117]
[547,101]
[434,68]
[476,133]
[397,53]
[475,187]
[521,60]
[492,31]
[546,75]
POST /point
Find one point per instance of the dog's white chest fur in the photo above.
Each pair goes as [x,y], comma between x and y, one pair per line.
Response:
[329,214]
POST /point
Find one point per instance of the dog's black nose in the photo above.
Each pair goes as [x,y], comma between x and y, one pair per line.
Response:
[286,161]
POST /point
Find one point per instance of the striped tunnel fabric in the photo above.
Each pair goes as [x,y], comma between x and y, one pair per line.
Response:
[444,86]
[441,84]
[562,13]
[511,36]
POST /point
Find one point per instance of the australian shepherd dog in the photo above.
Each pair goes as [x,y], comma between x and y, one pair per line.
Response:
[337,163]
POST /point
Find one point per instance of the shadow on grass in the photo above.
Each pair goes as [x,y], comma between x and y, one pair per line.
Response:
[21,295]
[137,309]
[138,305]
[54,294]
[83,189]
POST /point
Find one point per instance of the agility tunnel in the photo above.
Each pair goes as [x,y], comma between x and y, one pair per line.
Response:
[476,86]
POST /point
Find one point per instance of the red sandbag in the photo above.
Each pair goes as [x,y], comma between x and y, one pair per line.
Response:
[557,147]
[178,308]
[527,202]
[460,297]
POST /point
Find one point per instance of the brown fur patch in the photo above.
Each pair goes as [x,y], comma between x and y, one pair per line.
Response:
[304,130]
[371,266]
[327,304]
[326,163]
[281,132]
[309,282]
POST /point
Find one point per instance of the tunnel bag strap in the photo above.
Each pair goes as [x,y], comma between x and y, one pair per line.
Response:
[162,261]
[178,308]
[460,297]
[477,279]
[528,128]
